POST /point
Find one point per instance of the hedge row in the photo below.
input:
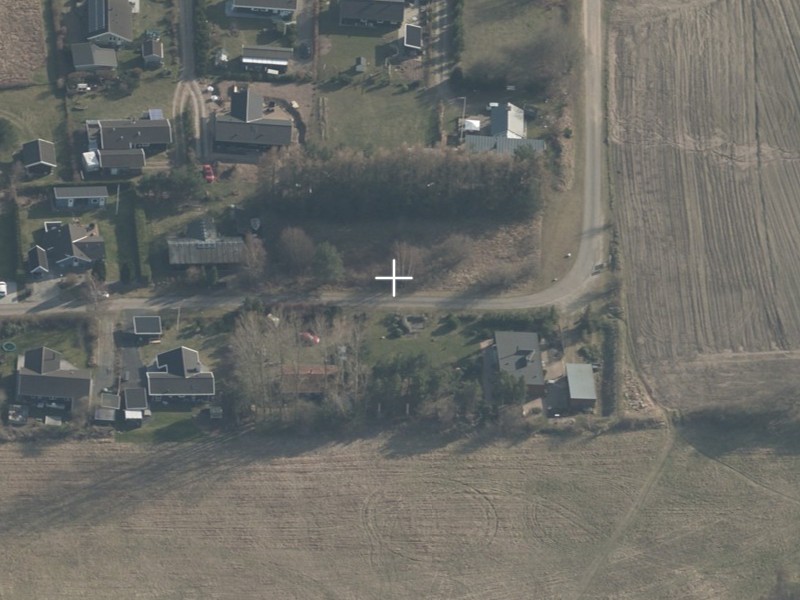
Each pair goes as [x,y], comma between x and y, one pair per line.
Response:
[142,245]
[611,390]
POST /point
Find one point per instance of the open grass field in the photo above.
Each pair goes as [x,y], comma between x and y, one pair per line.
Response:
[397,516]
[23,44]
[371,111]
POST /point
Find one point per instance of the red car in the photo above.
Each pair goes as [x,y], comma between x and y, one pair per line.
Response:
[208,173]
[309,338]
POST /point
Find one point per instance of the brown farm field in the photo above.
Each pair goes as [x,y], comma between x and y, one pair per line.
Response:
[704,145]
[396,516]
[22,43]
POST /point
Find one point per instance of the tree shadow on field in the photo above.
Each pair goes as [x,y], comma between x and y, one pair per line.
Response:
[716,432]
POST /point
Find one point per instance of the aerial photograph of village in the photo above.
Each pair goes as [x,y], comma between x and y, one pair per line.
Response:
[400,299]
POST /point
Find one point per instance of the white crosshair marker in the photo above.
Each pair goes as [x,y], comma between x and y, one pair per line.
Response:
[394,278]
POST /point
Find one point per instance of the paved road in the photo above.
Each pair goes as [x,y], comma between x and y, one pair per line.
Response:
[571,292]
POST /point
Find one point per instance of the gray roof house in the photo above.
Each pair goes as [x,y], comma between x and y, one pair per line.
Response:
[37,263]
[261,58]
[508,121]
[582,392]
[203,246]
[501,145]
[246,126]
[179,373]
[260,8]
[153,52]
[110,22]
[79,197]
[127,134]
[118,162]
[371,12]
[38,156]
[87,56]
[43,374]
[71,246]
[517,353]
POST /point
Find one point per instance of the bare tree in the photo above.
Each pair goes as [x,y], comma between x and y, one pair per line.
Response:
[254,264]
[296,249]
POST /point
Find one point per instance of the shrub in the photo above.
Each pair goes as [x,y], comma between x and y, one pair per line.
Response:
[142,245]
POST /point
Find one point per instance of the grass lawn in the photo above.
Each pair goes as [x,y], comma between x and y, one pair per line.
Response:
[63,335]
[165,426]
[34,113]
[7,250]
[440,342]
[373,110]
[154,91]
[32,218]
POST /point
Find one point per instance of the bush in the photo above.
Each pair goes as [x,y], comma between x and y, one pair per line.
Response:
[142,245]
[8,134]
[328,266]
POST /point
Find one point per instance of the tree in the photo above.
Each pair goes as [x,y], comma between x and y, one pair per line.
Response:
[212,275]
[508,389]
[99,270]
[328,265]
[296,249]
[183,183]
[8,134]
[254,263]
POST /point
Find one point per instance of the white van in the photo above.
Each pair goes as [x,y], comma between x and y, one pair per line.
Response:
[3,289]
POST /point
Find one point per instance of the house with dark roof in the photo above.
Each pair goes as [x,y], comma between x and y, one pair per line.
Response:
[412,40]
[261,8]
[371,13]
[71,246]
[179,374]
[582,391]
[518,354]
[87,56]
[204,246]
[153,52]
[43,375]
[127,134]
[37,263]
[121,162]
[79,197]
[147,328]
[266,58]
[38,157]
[501,145]
[110,22]
[246,127]
[507,120]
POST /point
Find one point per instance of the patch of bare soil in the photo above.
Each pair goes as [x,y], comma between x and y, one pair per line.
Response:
[21,41]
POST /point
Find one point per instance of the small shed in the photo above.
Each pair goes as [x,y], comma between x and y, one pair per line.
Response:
[361,64]
[413,38]
[147,327]
[580,381]
[472,125]
[104,415]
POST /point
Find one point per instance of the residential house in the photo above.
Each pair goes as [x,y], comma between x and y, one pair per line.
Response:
[582,392]
[412,40]
[179,374]
[43,375]
[153,53]
[371,13]
[147,328]
[518,354]
[266,58]
[119,162]
[261,8]
[128,134]
[38,157]
[37,263]
[501,145]
[204,246]
[508,121]
[246,127]
[110,22]
[79,197]
[71,246]
[87,56]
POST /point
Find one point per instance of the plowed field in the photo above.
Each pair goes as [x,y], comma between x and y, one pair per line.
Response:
[21,41]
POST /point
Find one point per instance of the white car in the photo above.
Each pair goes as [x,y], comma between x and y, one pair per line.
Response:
[3,289]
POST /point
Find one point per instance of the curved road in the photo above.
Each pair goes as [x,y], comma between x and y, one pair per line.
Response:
[571,292]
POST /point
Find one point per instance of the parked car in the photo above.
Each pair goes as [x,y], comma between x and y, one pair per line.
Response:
[3,288]
[310,338]
[208,173]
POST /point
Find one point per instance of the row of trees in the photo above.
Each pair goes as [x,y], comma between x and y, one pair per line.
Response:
[410,181]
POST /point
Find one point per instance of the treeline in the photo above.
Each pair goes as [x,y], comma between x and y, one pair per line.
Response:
[406,182]
[202,38]
[457,30]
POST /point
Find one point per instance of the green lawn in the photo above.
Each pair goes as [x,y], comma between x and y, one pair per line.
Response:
[165,426]
[34,113]
[32,218]
[154,91]
[440,343]
[373,110]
